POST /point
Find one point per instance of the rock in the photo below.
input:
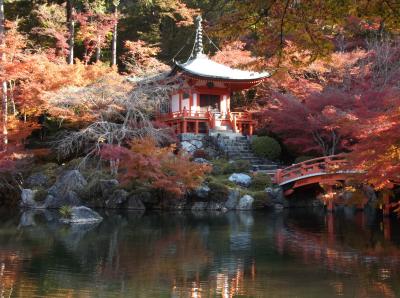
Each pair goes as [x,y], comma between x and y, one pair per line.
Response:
[37,180]
[198,144]
[240,179]
[214,206]
[276,195]
[175,204]
[27,219]
[69,181]
[70,198]
[107,186]
[199,206]
[202,191]
[117,199]
[245,203]
[233,199]
[82,215]
[135,203]
[201,160]
[188,147]
[211,152]
[27,198]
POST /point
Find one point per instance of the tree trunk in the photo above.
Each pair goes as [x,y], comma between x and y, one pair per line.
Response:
[114,39]
[71,29]
[98,49]
[4,83]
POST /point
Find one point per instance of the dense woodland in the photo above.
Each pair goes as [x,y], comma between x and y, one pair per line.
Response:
[81,80]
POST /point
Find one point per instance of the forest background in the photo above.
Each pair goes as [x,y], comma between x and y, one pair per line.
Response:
[77,80]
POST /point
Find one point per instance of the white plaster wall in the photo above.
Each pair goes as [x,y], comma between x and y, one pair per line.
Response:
[195,106]
[185,104]
[223,104]
[175,103]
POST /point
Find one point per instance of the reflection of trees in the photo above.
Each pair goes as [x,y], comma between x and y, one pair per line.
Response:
[200,256]
[346,247]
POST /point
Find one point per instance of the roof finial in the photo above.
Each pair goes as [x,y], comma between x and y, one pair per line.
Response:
[198,44]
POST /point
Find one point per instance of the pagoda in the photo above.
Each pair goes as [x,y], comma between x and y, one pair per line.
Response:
[202,103]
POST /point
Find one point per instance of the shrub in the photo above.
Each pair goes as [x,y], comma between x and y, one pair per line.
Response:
[260,181]
[65,211]
[266,147]
[302,158]
[261,200]
[218,190]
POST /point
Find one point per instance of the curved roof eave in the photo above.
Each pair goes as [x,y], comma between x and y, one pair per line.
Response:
[236,75]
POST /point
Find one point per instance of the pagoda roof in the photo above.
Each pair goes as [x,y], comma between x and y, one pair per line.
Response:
[204,68]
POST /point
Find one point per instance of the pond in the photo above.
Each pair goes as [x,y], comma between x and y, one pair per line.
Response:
[290,253]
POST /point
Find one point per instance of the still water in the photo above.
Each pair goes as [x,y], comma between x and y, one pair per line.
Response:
[295,253]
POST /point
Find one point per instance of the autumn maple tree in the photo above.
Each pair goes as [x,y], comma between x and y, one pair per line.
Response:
[171,172]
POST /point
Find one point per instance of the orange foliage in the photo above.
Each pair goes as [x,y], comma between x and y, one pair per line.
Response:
[155,167]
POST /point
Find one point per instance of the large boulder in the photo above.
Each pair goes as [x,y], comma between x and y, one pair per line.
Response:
[245,203]
[82,215]
[135,203]
[69,181]
[117,199]
[188,147]
[240,179]
[27,199]
[199,206]
[216,206]
[276,195]
[233,199]
[202,191]
[70,198]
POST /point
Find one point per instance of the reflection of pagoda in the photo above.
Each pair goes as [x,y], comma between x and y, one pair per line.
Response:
[203,101]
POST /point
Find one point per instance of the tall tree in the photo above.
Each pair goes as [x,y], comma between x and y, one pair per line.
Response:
[4,81]
[71,29]
[114,34]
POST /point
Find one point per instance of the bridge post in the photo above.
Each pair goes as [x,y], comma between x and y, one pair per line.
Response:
[330,204]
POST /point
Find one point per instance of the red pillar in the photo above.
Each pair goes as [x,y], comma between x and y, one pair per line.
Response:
[251,129]
[196,126]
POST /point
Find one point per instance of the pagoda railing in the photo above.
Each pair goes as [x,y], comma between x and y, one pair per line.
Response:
[182,114]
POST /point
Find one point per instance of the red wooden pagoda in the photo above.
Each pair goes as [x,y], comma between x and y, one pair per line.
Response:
[202,103]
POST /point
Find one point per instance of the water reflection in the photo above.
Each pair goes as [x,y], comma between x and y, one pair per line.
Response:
[296,253]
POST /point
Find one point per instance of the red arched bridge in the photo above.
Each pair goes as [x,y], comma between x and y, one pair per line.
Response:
[328,171]
[324,170]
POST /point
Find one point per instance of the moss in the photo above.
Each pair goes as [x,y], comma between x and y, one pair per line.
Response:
[260,181]
[219,189]
[261,199]
[51,170]
[93,191]
[266,147]
[237,166]
[40,195]
[223,166]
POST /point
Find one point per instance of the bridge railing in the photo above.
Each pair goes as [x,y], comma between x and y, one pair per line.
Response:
[324,164]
